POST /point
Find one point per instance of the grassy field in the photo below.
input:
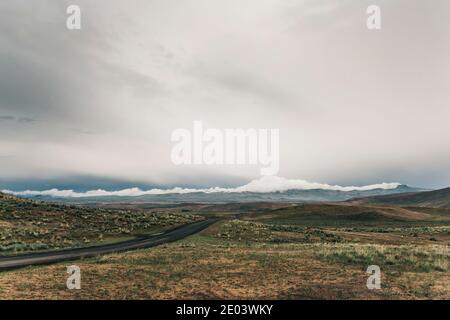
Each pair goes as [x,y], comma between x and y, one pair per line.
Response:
[239,259]
[27,225]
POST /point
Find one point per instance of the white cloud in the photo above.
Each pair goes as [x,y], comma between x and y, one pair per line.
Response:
[263,185]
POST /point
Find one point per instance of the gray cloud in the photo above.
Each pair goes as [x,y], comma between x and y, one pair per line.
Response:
[353,106]
[18,119]
[7,118]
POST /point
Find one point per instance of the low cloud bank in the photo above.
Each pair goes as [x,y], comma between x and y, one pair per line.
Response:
[263,185]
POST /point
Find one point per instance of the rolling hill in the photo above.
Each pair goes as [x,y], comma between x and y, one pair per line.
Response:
[338,212]
[28,225]
[432,199]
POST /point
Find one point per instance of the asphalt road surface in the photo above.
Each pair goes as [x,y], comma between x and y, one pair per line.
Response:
[74,254]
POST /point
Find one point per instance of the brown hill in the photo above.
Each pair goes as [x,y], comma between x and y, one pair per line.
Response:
[342,212]
[27,225]
[432,199]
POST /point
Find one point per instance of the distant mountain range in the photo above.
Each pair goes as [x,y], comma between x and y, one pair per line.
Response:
[313,195]
[435,199]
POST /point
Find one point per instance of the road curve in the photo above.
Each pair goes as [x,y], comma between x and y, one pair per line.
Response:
[178,233]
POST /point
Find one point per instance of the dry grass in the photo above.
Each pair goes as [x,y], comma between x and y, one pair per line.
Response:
[27,225]
[206,267]
[406,257]
[236,259]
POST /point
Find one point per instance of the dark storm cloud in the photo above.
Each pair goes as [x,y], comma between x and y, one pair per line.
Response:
[26,88]
[47,68]
[7,118]
[18,119]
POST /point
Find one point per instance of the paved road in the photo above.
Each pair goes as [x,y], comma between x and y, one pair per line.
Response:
[74,254]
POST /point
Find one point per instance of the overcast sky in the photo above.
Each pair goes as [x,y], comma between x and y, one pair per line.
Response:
[353,106]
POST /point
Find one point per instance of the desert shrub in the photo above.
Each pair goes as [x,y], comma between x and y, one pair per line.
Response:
[19,247]
[249,231]
[424,258]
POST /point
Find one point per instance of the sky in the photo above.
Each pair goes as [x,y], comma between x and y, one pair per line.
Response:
[96,107]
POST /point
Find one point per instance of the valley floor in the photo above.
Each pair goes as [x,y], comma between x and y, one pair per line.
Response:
[236,259]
